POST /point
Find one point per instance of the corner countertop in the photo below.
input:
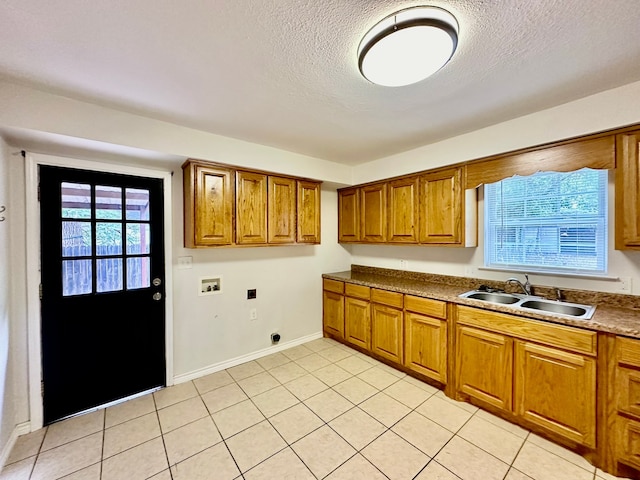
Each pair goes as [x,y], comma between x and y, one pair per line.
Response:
[608,317]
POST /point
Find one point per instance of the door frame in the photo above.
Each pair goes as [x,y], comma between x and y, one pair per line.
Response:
[34,318]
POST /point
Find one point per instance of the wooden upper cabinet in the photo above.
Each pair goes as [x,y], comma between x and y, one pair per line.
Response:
[373,208]
[403,210]
[308,212]
[441,212]
[281,208]
[349,215]
[628,191]
[225,206]
[251,208]
[208,205]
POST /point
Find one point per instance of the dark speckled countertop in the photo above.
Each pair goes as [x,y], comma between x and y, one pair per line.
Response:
[618,314]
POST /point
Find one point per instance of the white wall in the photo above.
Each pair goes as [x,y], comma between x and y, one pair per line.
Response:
[213,329]
[13,366]
[606,110]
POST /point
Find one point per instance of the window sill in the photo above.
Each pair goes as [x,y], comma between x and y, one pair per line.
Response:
[594,276]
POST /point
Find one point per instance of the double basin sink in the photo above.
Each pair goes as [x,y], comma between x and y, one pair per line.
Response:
[531,303]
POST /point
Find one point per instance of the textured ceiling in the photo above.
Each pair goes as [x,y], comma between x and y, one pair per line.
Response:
[284,72]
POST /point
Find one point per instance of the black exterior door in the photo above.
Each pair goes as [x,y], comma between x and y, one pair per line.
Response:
[103,307]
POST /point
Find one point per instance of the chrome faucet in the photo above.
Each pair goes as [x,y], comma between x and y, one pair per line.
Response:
[526,287]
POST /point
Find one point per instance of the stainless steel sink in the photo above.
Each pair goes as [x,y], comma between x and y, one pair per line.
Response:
[494,297]
[533,304]
[563,308]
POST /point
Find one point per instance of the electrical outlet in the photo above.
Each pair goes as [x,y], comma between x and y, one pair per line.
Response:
[625,284]
[404,264]
[185,262]
[251,294]
[253,314]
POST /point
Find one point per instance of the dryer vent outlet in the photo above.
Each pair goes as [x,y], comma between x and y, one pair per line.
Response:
[275,337]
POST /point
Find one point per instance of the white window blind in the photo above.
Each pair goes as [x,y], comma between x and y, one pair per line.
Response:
[549,221]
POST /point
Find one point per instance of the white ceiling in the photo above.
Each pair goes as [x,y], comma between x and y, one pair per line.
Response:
[284,72]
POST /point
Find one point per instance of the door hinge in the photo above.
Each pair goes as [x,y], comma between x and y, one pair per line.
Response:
[40,291]
[42,388]
[38,192]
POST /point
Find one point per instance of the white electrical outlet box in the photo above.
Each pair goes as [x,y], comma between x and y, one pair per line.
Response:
[185,262]
[253,314]
[211,285]
[625,285]
[404,264]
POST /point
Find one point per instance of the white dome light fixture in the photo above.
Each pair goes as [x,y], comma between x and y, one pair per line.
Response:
[408,46]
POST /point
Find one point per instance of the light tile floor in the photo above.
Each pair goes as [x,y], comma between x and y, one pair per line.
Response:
[319,410]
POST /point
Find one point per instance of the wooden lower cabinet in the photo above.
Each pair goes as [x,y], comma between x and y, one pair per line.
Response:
[426,345]
[333,313]
[386,332]
[357,319]
[556,390]
[484,366]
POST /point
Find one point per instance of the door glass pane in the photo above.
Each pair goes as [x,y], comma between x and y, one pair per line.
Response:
[138,238]
[108,238]
[138,273]
[137,204]
[108,202]
[76,239]
[76,277]
[76,200]
[109,274]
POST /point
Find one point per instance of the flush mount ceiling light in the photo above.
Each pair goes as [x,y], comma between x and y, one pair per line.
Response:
[408,46]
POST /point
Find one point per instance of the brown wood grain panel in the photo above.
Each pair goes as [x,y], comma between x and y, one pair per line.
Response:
[385,297]
[425,342]
[556,390]
[569,338]
[308,212]
[357,291]
[373,210]
[627,211]
[357,319]
[597,153]
[349,215]
[281,208]
[426,306]
[251,208]
[442,207]
[332,285]
[404,210]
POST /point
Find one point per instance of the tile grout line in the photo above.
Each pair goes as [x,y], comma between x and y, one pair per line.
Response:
[164,445]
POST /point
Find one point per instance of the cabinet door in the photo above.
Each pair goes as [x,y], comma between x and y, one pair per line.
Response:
[386,332]
[281,208]
[208,206]
[251,208]
[373,209]
[556,390]
[308,212]
[628,191]
[426,345]
[403,210]
[441,214]
[357,319]
[484,366]
[333,313]
[349,215]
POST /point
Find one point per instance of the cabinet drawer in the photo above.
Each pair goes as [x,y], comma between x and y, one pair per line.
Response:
[628,391]
[393,299]
[332,285]
[426,306]
[357,291]
[629,441]
[567,338]
[628,351]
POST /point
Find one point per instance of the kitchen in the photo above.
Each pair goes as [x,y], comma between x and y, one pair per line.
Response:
[214,332]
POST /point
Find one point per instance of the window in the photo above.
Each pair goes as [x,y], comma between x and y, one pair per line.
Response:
[548,222]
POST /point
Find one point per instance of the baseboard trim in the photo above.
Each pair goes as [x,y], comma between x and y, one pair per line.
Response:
[185,377]
[20,429]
